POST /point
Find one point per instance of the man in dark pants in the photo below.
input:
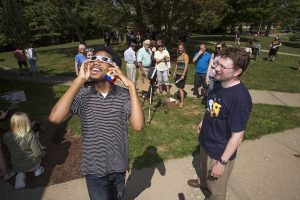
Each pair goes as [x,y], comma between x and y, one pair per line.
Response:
[104,110]
[201,61]
[222,128]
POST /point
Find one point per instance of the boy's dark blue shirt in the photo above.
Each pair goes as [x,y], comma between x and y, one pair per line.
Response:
[227,111]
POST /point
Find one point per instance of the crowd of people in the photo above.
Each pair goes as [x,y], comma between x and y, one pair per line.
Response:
[105,110]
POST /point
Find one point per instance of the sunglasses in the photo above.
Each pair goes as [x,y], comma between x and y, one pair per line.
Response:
[101,58]
[218,48]
[89,49]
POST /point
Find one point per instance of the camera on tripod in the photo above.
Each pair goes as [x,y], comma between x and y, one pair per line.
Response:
[152,75]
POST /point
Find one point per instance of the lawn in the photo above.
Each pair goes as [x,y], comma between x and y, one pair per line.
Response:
[173,134]
[281,75]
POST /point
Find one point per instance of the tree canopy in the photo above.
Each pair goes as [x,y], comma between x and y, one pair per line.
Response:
[54,21]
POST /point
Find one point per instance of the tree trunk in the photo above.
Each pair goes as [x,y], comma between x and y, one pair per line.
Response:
[79,35]
[268,28]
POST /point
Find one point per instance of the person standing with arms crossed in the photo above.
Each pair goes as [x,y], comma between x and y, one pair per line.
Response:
[104,110]
[222,129]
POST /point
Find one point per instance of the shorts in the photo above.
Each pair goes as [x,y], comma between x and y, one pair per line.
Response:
[162,77]
[181,83]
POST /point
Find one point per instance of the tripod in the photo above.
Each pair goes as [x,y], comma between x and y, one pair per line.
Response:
[150,95]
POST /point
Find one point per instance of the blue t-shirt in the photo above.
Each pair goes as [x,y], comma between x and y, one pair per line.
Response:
[227,111]
[202,63]
[79,58]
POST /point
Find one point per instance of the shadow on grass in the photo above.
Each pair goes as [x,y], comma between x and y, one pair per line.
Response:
[40,100]
[140,179]
[294,68]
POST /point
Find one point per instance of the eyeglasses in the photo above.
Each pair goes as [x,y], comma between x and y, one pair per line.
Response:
[223,67]
[101,58]
[218,48]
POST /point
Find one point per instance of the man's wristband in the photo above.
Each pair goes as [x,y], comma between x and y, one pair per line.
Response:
[223,162]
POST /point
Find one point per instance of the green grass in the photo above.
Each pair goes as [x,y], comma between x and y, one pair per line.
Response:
[57,59]
[281,75]
[229,39]
[173,135]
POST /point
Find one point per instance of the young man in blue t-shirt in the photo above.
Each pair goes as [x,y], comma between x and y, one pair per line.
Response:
[201,61]
[222,128]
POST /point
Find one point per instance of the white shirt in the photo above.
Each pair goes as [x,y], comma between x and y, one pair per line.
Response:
[163,65]
[130,56]
[30,54]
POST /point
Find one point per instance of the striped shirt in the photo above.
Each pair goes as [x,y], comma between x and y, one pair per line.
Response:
[104,124]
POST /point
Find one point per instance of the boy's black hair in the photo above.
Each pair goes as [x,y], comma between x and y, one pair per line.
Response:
[114,56]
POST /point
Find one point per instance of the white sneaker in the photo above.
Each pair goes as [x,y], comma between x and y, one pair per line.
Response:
[20,181]
[39,171]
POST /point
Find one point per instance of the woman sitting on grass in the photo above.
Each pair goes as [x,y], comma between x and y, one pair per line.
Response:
[24,147]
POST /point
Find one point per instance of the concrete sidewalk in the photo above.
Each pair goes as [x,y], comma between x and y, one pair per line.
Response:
[267,168]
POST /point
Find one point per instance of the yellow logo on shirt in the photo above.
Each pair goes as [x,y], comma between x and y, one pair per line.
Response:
[215,109]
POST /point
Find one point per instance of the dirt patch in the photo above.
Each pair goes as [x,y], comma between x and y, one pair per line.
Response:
[62,160]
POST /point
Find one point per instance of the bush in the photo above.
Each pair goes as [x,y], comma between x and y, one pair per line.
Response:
[295,37]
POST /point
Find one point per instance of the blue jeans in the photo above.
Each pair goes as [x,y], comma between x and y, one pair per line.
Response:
[33,66]
[109,187]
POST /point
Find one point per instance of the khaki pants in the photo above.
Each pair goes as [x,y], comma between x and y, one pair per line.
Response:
[131,72]
[214,189]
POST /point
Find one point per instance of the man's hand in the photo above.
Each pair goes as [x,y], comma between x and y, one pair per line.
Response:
[85,70]
[124,79]
[217,170]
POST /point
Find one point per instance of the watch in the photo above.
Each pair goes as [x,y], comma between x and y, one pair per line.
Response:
[222,161]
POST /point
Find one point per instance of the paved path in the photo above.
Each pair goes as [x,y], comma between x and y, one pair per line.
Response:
[265,169]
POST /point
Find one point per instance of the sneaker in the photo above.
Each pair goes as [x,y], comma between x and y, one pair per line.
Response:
[39,171]
[20,181]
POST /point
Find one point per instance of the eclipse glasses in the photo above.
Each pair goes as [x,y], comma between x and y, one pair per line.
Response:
[101,59]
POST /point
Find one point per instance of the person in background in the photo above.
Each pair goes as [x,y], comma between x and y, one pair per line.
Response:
[22,60]
[211,71]
[274,47]
[162,57]
[144,58]
[89,52]
[4,171]
[180,73]
[32,57]
[79,58]
[24,147]
[237,38]
[201,61]
[130,59]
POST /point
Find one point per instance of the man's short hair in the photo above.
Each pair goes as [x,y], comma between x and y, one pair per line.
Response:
[114,56]
[239,57]
[132,44]
[202,43]
[147,41]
